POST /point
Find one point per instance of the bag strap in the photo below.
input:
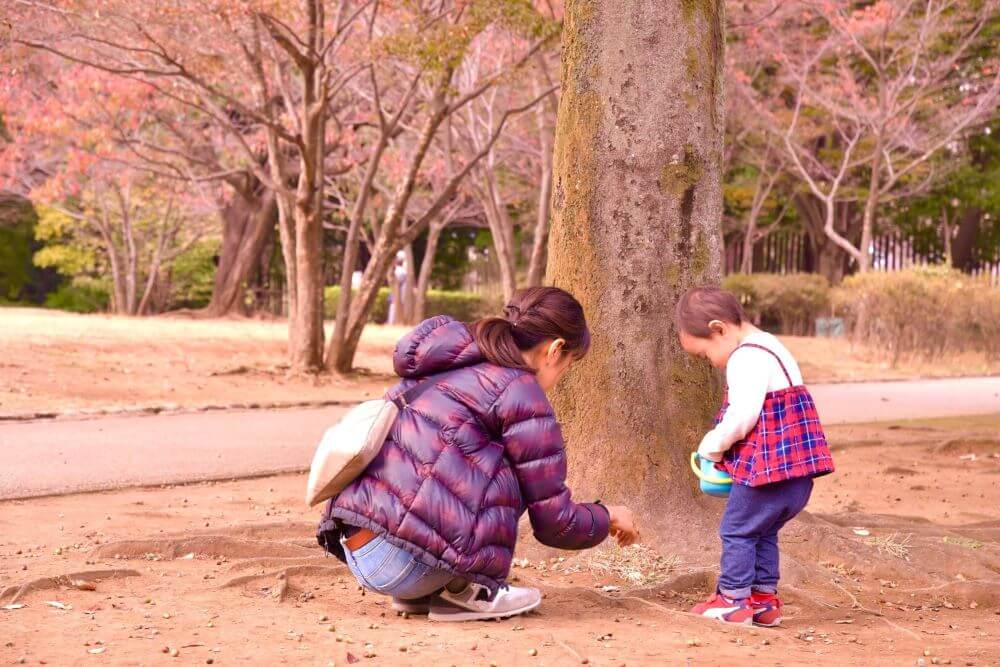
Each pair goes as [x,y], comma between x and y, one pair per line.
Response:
[411,394]
[776,358]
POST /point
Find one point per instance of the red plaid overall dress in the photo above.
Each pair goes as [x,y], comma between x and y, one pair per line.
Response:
[787,441]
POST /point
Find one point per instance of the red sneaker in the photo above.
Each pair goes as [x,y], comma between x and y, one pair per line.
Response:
[766,609]
[726,609]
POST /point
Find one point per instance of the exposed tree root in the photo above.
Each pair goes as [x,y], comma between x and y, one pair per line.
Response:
[204,545]
[16,592]
[285,573]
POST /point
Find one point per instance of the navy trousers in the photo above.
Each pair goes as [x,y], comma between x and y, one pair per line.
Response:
[749,531]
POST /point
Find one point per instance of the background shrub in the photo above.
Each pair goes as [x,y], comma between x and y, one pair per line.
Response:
[463,306]
[81,295]
[921,311]
[192,275]
[787,304]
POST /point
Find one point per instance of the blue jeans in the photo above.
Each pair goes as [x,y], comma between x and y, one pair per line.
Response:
[382,567]
[749,531]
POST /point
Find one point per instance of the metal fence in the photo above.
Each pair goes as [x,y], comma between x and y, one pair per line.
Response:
[792,252]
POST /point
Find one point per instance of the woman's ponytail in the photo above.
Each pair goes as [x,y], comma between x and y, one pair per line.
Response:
[534,315]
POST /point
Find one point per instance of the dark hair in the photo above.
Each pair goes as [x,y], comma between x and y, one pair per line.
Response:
[534,315]
[701,305]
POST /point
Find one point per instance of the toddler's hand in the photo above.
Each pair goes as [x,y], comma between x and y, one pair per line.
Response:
[708,450]
[623,526]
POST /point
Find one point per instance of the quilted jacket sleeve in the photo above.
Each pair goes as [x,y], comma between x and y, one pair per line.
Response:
[534,445]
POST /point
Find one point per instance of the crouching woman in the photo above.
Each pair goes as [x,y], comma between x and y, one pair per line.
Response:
[433,519]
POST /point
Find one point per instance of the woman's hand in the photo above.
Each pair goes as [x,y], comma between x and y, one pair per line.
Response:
[623,526]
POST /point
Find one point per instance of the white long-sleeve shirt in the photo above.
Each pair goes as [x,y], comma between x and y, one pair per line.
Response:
[750,374]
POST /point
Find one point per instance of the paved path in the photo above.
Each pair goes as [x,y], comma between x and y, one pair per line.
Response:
[884,401]
[45,457]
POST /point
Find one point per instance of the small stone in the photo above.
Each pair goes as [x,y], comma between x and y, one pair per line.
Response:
[210,661]
[693,642]
[921,662]
[331,628]
[165,649]
[402,649]
[533,652]
[166,615]
[174,653]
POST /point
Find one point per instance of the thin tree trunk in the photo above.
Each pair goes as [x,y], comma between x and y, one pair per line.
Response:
[343,346]
[306,335]
[408,291]
[426,269]
[636,208]
[536,264]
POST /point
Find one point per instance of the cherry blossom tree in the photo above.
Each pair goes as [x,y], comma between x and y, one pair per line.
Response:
[95,214]
[874,92]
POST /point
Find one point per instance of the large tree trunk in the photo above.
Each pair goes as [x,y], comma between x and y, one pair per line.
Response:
[964,242]
[247,225]
[636,210]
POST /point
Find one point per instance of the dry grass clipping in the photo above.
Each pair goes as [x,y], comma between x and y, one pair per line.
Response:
[637,565]
[894,545]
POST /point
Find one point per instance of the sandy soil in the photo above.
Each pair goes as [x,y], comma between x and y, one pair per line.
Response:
[61,362]
[228,573]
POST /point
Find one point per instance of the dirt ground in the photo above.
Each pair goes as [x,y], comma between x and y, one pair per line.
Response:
[55,362]
[897,564]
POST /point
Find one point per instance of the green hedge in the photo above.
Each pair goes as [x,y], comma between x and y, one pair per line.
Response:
[463,306]
[787,303]
[924,311]
[192,275]
[82,295]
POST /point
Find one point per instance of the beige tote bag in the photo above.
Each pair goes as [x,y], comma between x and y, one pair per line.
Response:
[349,446]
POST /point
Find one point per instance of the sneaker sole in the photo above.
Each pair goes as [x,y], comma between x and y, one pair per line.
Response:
[773,624]
[717,616]
[408,608]
[447,615]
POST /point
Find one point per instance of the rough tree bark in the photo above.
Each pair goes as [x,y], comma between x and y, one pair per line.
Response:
[636,209]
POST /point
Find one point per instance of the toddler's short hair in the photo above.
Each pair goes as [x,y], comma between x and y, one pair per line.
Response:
[700,305]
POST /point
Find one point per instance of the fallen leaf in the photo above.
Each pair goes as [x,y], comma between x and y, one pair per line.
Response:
[864,532]
[845,620]
[97,649]
[351,658]
[58,605]
[12,607]
[83,585]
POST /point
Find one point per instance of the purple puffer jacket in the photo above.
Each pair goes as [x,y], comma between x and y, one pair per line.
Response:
[464,461]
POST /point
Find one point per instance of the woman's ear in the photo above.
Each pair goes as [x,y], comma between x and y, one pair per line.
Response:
[718,327]
[555,349]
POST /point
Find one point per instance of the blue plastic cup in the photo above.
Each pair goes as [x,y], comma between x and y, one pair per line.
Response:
[712,481]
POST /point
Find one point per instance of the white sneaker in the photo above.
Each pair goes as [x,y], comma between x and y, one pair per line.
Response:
[472,603]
